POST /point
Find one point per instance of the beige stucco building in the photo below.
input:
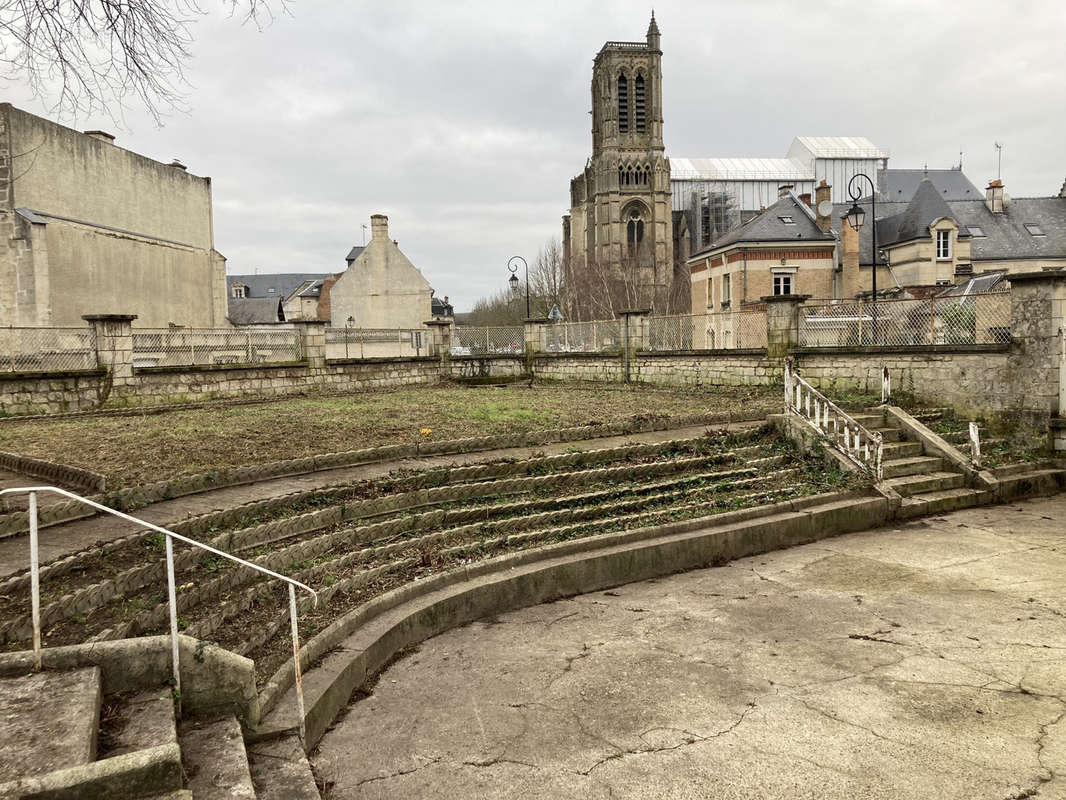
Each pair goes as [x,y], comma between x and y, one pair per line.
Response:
[381,288]
[92,228]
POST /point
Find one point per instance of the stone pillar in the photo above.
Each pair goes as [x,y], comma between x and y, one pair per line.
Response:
[782,323]
[1038,340]
[440,339]
[312,341]
[532,337]
[636,322]
[114,344]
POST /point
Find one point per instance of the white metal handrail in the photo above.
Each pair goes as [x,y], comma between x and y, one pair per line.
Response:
[35,587]
[859,444]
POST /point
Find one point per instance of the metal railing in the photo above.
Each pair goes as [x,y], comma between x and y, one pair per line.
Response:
[47,349]
[35,584]
[980,318]
[375,342]
[600,336]
[179,347]
[478,341]
[860,445]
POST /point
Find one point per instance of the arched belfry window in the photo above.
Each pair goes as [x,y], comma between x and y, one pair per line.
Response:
[639,103]
[634,229]
[623,104]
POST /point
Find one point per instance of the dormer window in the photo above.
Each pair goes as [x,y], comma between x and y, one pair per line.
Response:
[943,245]
[976,231]
[1034,229]
[272,290]
[238,291]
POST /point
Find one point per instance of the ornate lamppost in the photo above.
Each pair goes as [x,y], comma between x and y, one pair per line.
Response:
[513,280]
[856,217]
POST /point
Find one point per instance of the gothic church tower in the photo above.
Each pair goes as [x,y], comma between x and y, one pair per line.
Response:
[618,233]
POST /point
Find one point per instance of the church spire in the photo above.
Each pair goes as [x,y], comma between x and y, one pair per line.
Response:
[653,33]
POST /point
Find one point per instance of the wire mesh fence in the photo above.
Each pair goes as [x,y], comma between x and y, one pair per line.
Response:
[947,320]
[480,341]
[729,330]
[344,343]
[176,347]
[47,349]
[602,336]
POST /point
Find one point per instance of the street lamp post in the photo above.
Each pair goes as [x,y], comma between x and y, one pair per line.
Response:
[513,280]
[856,216]
[348,334]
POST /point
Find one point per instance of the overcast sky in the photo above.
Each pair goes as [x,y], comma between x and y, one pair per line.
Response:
[464,122]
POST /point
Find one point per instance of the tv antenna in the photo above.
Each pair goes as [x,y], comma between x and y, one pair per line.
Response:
[364,236]
[999,159]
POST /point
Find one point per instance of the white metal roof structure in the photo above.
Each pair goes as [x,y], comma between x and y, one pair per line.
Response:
[808,147]
[738,169]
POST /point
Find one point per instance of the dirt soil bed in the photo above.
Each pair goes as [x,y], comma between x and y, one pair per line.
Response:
[143,449]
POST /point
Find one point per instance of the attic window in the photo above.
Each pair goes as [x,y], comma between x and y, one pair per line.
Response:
[238,291]
[976,230]
[272,290]
[787,220]
[1034,229]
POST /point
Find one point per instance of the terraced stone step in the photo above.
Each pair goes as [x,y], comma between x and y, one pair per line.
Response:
[869,420]
[914,465]
[910,485]
[280,770]
[889,434]
[216,763]
[897,450]
[48,722]
[136,723]
[939,502]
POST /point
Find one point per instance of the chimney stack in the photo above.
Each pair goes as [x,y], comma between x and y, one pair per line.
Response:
[822,194]
[806,198]
[1062,191]
[102,136]
[379,227]
[994,196]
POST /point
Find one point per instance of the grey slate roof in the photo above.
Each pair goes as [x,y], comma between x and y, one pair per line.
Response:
[899,185]
[255,310]
[925,207]
[283,283]
[1005,234]
[353,254]
[769,227]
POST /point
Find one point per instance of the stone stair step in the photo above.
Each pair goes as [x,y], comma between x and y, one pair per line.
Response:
[915,465]
[897,450]
[48,721]
[280,770]
[939,502]
[216,763]
[868,420]
[910,485]
[144,720]
[889,434]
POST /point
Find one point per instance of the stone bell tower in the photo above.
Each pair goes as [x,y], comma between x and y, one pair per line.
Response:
[620,211]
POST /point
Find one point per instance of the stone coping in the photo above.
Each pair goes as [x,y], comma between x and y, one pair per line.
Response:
[612,354]
[341,362]
[493,357]
[368,637]
[736,351]
[916,349]
[219,367]
[53,375]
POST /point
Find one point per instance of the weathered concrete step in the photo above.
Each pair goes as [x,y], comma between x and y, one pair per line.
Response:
[869,420]
[910,485]
[142,721]
[280,770]
[48,722]
[897,450]
[216,763]
[889,434]
[939,502]
[914,465]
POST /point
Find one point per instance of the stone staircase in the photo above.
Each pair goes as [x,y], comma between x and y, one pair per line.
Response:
[926,483]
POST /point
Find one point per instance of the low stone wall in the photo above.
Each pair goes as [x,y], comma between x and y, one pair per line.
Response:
[706,368]
[50,392]
[607,367]
[494,366]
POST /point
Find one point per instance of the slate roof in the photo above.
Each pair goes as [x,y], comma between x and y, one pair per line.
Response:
[283,283]
[353,254]
[899,185]
[255,310]
[923,210]
[1005,234]
[769,227]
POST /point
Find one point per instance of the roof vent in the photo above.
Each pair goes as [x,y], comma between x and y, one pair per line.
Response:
[102,136]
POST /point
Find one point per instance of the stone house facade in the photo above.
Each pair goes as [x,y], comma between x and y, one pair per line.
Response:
[92,228]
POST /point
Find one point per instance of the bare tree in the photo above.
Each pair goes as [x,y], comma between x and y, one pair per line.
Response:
[546,282]
[91,55]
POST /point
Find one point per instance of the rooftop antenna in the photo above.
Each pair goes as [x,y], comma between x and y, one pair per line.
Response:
[364,236]
[960,161]
[999,159]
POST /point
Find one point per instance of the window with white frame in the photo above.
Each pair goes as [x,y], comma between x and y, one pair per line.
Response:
[238,291]
[726,291]
[943,245]
[784,282]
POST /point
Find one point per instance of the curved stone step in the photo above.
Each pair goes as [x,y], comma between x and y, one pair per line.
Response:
[216,764]
[910,485]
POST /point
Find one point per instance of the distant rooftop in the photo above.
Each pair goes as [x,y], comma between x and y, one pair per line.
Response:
[838,147]
[738,169]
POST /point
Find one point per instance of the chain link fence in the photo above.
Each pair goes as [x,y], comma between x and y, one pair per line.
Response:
[47,349]
[603,336]
[949,320]
[344,343]
[177,347]
[474,341]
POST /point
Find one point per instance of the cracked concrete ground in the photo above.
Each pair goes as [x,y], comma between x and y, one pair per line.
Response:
[925,660]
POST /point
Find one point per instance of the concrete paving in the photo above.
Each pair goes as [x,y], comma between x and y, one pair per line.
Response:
[60,540]
[921,661]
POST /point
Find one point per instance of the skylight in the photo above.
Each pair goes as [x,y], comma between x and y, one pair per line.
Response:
[1033,229]
[976,230]
[787,220]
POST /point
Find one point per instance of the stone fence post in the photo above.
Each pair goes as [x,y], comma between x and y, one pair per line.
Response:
[782,323]
[1038,344]
[531,331]
[440,339]
[635,336]
[312,341]
[114,344]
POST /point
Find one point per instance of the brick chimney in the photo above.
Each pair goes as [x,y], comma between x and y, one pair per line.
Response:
[822,194]
[379,227]
[806,198]
[994,196]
